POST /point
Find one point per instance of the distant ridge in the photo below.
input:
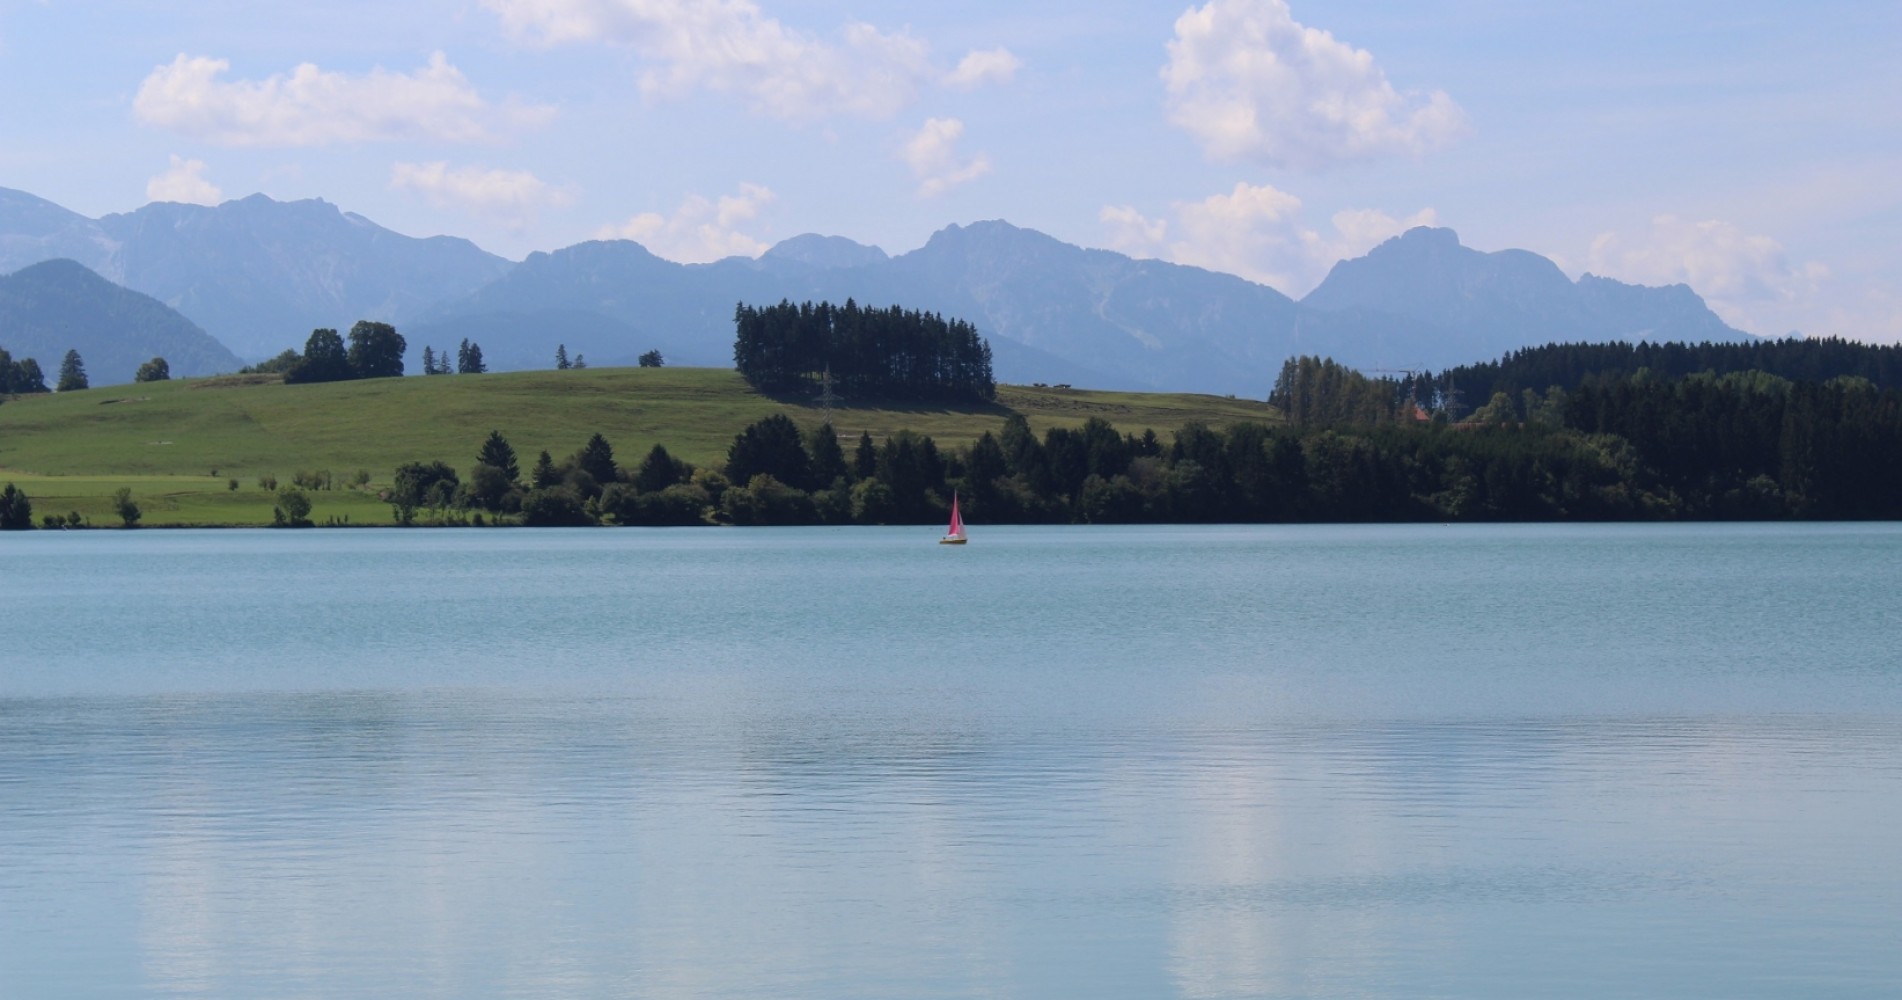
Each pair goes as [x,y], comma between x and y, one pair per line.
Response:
[59,305]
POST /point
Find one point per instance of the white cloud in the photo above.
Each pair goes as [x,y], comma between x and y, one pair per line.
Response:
[512,195]
[933,156]
[1131,231]
[1256,232]
[311,107]
[731,46]
[1251,83]
[1717,259]
[699,230]
[978,68]
[185,183]
[1749,280]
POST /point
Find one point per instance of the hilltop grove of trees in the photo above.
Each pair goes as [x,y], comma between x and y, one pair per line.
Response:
[375,351]
[889,353]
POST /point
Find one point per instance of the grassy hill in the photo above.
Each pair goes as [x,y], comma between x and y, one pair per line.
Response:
[177,444]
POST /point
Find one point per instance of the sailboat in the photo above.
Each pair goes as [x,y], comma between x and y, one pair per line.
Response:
[955,536]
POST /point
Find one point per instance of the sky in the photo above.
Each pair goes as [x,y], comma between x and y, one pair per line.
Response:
[1750,149]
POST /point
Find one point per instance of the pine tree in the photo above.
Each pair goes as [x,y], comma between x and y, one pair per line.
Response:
[497,452]
[429,360]
[865,458]
[597,460]
[772,446]
[469,359]
[72,373]
[544,475]
[561,357]
[828,459]
[581,361]
[657,471]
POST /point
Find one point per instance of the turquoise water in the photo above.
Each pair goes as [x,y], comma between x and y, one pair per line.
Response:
[837,763]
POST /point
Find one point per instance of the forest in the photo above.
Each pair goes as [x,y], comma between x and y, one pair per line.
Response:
[1744,445]
[891,353]
[1567,365]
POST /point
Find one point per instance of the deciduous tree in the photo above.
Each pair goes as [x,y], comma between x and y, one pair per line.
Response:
[376,350]
[324,359]
[123,505]
[16,511]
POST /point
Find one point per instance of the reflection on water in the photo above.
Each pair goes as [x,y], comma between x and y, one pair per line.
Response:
[1219,796]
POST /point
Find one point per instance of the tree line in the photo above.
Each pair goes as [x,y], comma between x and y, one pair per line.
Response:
[24,377]
[1747,445]
[891,353]
[468,360]
[1458,390]
[1640,446]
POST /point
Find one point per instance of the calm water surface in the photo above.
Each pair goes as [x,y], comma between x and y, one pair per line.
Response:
[1082,762]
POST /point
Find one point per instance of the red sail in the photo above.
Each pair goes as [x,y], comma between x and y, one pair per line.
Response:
[957,523]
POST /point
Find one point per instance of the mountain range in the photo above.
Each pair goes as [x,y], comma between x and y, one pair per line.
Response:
[255,273]
[259,274]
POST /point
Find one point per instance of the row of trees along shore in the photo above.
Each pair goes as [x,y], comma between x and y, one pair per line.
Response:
[891,353]
[1773,429]
[1728,441]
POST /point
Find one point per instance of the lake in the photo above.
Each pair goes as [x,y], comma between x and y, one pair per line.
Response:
[1198,762]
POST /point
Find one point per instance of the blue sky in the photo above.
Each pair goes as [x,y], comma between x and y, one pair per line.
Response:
[1751,149]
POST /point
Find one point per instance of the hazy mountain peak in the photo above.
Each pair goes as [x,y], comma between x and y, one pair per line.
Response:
[999,244]
[1422,238]
[825,251]
[60,269]
[1507,298]
[592,252]
[23,214]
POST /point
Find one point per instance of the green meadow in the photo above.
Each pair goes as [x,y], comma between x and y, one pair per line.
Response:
[177,445]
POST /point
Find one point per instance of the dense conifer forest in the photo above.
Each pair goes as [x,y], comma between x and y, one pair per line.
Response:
[1568,365]
[891,353]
